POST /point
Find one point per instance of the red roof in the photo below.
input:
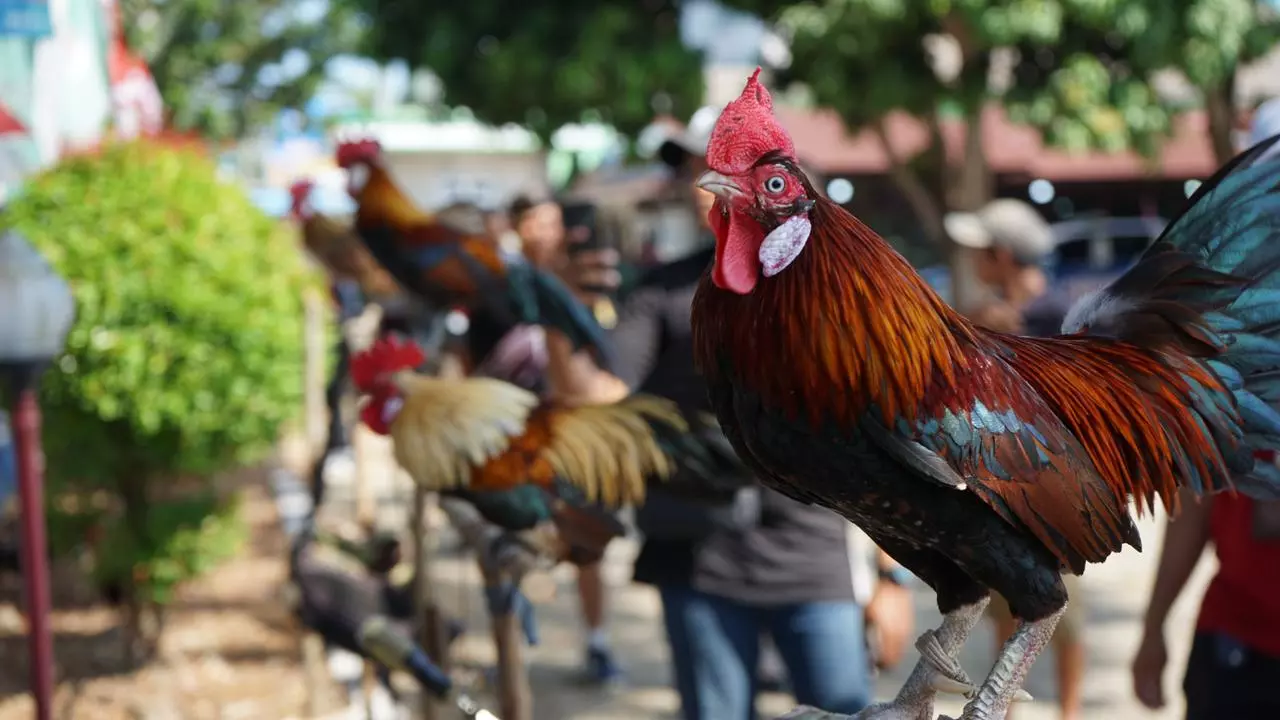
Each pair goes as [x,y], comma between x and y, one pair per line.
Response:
[8,123]
[823,144]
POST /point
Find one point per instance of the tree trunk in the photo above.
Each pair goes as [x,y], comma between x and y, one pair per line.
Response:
[970,186]
[137,627]
[924,205]
[1219,103]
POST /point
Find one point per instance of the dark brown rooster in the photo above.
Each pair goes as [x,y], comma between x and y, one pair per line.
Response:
[982,461]
[337,247]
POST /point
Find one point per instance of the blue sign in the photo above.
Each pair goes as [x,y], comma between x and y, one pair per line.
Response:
[8,462]
[25,18]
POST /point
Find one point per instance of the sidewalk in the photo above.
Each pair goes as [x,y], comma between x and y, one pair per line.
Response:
[1117,597]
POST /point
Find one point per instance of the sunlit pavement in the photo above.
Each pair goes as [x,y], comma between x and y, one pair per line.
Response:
[1116,598]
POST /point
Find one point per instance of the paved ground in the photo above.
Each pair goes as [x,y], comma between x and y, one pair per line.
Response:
[1116,595]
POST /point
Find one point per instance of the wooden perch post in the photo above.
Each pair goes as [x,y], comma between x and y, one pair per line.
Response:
[517,565]
[428,612]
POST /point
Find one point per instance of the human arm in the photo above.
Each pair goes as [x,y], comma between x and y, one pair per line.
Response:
[1184,541]
[890,613]
[574,377]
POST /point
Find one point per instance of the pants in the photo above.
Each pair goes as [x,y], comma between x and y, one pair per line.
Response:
[1228,681]
[715,647]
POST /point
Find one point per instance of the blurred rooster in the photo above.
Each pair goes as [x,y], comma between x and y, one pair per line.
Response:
[518,460]
[452,267]
[978,460]
[338,248]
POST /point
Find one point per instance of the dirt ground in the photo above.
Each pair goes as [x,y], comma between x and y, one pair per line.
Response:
[228,650]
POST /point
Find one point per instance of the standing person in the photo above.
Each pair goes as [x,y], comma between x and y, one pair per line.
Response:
[519,355]
[1234,666]
[1011,242]
[754,562]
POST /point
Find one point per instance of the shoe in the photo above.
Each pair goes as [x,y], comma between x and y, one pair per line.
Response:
[601,668]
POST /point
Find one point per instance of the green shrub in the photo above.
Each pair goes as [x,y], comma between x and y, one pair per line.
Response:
[187,352]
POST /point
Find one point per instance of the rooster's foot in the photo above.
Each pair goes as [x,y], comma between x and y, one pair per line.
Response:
[879,711]
[1002,686]
[949,677]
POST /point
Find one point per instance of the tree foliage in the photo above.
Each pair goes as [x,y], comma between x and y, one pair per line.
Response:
[185,358]
[223,67]
[1081,69]
[527,63]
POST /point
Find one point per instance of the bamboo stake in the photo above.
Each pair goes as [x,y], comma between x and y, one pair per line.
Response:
[313,364]
[519,566]
[427,610]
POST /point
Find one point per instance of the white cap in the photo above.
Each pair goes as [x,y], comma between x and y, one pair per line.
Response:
[697,134]
[1007,223]
[1266,121]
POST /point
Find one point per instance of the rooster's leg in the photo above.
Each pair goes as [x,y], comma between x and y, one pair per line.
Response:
[1016,657]
[937,668]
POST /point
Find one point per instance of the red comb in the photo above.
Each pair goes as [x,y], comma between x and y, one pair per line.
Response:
[353,151]
[746,131]
[388,355]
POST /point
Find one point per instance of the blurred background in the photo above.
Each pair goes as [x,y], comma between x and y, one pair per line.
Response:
[118,116]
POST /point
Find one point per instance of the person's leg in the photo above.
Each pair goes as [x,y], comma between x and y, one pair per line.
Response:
[591,595]
[824,647]
[714,648]
[1068,651]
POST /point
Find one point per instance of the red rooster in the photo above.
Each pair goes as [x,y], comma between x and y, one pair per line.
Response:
[520,461]
[982,461]
[449,266]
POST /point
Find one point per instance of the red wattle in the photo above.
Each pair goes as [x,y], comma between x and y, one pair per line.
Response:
[738,239]
[371,413]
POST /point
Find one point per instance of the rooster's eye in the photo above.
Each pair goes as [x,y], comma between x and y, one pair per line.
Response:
[775,184]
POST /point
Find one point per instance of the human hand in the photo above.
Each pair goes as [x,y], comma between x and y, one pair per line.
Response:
[891,616]
[1148,669]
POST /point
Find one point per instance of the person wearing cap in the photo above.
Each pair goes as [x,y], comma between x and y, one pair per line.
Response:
[746,561]
[1009,244]
[1234,667]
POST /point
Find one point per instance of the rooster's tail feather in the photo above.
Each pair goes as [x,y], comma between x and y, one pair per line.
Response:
[1209,287]
[608,451]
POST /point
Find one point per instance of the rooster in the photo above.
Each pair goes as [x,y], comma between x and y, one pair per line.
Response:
[983,461]
[517,460]
[338,248]
[451,267]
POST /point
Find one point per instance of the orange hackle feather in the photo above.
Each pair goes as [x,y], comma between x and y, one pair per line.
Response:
[860,322]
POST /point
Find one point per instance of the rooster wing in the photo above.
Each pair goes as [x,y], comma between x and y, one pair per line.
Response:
[483,434]
[991,433]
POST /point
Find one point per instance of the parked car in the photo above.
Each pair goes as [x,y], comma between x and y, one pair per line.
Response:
[1102,243]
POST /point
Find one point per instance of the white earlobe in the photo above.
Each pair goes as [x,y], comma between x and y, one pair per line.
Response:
[782,246]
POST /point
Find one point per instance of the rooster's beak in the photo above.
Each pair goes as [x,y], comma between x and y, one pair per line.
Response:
[719,185]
